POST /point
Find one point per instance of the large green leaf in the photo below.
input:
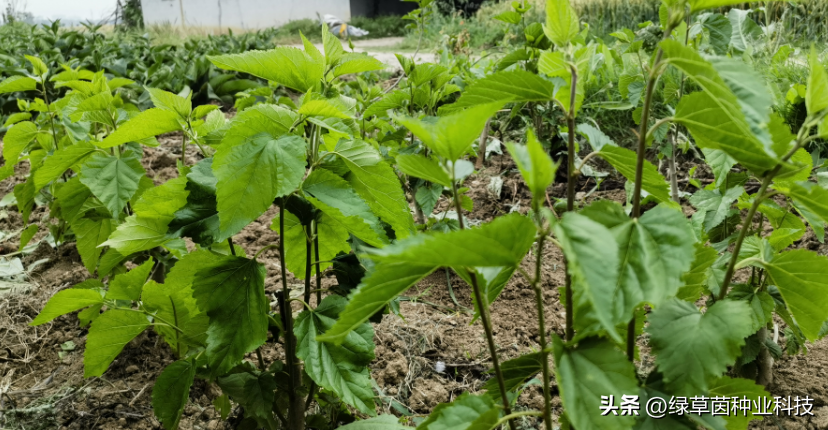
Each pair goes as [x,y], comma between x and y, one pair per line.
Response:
[91,232]
[561,22]
[336,198]
[696,279]
[467,412]
[517,371]
[816,97]
[744,29]
[739,388]
[719,30]
[67,301]
[61,161]
[451,136]
[199,219]
[107,337]
[419,166]
[357,63]
[592,262]
[173,302]
[149,123]
[342,368]
[715,204]
[14,142]
[624,160]
[503,242]
[17,83]
[231,291]
[290,67]
[692,348]
[715,116]
[255,392]
[171,102]
[810,196]
[802,278]
[537,169]
[113,180]
[171,392]
[251,175]
[127,286]
[375,181]
[147,227]
[264,118]
[584,373]
[505,87]
[761,304]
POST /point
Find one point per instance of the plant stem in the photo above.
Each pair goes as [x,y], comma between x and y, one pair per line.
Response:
[537,286]
[731,268]
[315,229]
[639,172]
[510,417]
[485,317]
[570,195]
[232,248]
[296,413]
[308,266]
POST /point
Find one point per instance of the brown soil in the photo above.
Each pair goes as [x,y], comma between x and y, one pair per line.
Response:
[44,391]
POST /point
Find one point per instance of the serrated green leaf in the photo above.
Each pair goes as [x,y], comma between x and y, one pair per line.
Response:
[561,22]
[127,286]
[744,29]
[14,142]
[467,412]
[27,234]
[251,175]
[322,108]
[811,197]
[503,242]
[16,118]
[716,205]
[255,392]
[739,388]
[719,30]
[147,124]
[173,302]
[720,163]
[375,181]
[354,62]
[199,219]
[171,102]
[147,227]
[816,97]
[451,136]
[61,161]
[760,302]
[91,232]
[290,67]
[801,277]
[17,83]
[584,373]
[592,263]
[271,119]
[107,337]
[419,166]
[624,160]
[112,180]
[505,87]
[427,197]
[517,371]
[336,198]
[231,291]
[342,368]
[692,348]
[695,279]
[67,301]
[537,169]
[171,392]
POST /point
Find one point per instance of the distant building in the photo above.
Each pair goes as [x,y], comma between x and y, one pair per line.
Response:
[255,14]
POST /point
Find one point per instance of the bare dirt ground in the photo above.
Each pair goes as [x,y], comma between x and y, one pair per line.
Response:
[42,382]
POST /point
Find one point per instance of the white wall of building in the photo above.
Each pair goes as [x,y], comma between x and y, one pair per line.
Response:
[239,14]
